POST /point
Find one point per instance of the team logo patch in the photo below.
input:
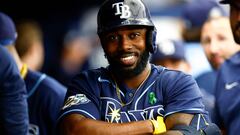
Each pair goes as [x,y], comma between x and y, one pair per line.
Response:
[76,100]
[122,10]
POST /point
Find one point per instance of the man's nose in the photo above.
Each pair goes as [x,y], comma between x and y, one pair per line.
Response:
[126,43]
[214,46]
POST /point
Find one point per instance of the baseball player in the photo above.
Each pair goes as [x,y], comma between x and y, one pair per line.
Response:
[13,103]
[228,80]
[45,95]
[131,96]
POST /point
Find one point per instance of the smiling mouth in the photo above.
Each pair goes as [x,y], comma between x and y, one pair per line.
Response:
[128,59]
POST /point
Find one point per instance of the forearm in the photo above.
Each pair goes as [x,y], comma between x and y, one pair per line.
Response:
[83,126]
[132,128]
[104,128]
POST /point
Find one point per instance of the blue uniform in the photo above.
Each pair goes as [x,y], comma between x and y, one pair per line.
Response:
[13,103]
[45,99]
[209,77]
[94,95]
[228,93]
[206,83]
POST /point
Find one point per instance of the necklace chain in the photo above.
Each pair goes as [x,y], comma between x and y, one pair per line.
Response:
[118,89]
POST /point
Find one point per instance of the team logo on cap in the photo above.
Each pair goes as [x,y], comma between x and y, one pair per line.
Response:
[76,100]
[167,48]
[122,10]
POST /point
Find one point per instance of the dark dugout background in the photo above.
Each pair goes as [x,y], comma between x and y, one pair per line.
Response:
[54,17]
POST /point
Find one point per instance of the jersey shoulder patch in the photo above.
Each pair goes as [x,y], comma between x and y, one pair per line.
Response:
[76,100]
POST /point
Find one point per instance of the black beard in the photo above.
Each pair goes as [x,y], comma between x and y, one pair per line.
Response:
[122,73]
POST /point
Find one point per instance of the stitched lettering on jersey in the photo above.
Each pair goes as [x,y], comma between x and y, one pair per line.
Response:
[115,114]
[76,100]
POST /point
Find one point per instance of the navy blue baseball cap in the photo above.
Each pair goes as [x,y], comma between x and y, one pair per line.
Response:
[197,12]
[225,1]
[8,33]
[169,49]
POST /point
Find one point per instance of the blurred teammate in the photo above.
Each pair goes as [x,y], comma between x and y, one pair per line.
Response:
[74,54]
[44,95]
[88,30]
[218,46]
[29,44]
[13,103]
[228,80]
[171,54]
[131,96]
[195,13]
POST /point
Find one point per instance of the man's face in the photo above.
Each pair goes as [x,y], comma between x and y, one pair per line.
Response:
[175,64]
[235,19]
[217,41]
[126,51]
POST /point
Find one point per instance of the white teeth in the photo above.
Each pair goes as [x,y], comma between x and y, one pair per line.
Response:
[127,58]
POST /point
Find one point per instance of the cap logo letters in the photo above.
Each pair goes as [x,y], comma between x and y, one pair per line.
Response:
[122,10]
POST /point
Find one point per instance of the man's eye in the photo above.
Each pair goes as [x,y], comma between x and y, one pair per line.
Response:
[112,38]
[205,41]
[134,35]
[221,38]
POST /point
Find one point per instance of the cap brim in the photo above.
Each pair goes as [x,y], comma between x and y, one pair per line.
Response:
[224,2]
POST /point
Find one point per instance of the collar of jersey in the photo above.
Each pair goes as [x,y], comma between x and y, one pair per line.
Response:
[105,78]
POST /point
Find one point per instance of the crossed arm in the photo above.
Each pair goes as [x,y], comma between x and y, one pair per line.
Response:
[75,124]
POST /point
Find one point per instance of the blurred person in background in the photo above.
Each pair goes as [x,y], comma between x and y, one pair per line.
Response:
[171,54]
[45,97]
[195,13]
[81,49]
[88,28]
[44,94]
[207,79]
[29,44]
[228,80]
[218,44]
[74,56]
[13,94]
